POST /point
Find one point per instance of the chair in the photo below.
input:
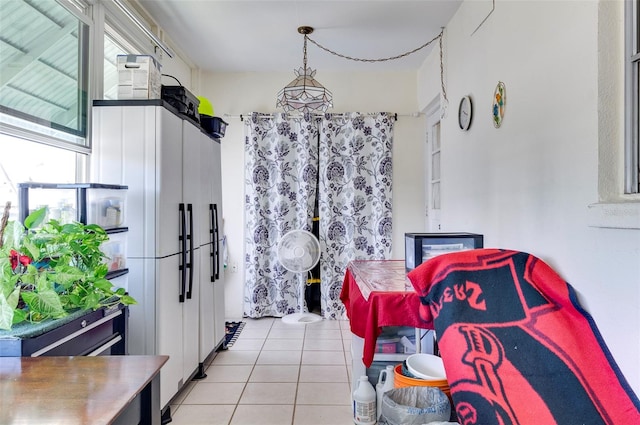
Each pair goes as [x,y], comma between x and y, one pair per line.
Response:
[516,345]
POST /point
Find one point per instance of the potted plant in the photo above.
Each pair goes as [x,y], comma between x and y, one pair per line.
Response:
[48,269]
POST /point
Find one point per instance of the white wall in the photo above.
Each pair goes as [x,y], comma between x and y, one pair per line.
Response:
[527,185]
[235,94]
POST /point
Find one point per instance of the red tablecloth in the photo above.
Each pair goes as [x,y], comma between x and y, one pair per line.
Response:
[382,308]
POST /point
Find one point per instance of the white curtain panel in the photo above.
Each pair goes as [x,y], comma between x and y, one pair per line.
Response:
[281,159]
[354,198]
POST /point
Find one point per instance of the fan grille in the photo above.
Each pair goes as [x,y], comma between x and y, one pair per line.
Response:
[299,251]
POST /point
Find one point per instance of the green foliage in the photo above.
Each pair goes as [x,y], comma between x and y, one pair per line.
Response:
[49,269]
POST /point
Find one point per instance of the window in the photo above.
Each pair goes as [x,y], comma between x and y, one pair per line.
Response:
[25,161]
[113,46]
[44,70]
[632,101]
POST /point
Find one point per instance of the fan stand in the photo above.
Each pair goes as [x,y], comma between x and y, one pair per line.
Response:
[302,317]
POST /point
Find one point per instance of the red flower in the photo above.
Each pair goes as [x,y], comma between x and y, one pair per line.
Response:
[16,258]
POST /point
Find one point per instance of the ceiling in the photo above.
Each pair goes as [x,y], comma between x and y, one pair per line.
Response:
[262,36]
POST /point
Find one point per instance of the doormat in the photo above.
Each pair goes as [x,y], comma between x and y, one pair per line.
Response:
[232,332]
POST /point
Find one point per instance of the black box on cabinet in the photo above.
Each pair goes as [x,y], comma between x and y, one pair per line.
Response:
[215,126]
[182,99]
[419,247]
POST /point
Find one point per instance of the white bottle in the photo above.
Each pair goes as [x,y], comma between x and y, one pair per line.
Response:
[364,402]
[386,382]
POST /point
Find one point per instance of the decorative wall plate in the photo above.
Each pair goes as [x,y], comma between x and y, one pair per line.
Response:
[499,104]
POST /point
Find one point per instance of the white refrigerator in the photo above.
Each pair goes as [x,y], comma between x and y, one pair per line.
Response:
[167,163]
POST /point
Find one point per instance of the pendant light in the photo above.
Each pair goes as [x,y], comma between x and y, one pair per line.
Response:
[304,93]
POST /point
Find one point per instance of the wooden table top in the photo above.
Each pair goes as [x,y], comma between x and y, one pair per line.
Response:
[71,390]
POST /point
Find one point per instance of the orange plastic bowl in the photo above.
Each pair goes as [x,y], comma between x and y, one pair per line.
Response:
[401,381]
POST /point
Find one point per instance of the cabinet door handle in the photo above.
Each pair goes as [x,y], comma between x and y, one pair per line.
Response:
[216,241]
[213,243]
[182,236]
[190,237]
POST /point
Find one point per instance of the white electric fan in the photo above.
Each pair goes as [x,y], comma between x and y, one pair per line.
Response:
[299,252]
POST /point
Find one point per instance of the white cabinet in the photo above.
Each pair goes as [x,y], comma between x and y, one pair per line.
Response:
[212,329]
[167,163]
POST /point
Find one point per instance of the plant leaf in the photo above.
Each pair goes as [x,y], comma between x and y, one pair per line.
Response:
[45,303]
[35,218]
[6,313]
[127,300]
[92,301]
[67,276]
[104,285]
[19,316]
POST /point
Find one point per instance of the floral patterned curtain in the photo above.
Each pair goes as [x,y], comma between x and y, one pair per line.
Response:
[355,204]
[281,159]
[354,198]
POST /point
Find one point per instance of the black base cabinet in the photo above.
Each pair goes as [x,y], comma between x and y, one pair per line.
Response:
[83,333]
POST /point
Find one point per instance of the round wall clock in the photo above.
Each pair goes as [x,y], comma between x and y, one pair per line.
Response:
[465,111]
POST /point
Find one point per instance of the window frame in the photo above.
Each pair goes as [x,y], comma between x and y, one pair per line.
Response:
[36,130]
[632,97]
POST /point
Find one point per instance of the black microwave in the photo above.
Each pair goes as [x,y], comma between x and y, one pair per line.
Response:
[419,247]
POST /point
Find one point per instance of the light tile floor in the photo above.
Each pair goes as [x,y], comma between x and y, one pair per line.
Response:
[275,373]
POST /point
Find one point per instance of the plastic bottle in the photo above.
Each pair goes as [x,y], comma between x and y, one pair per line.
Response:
[386,382]
[364,402]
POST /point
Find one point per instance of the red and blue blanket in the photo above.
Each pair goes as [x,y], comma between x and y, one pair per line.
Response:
[517,346]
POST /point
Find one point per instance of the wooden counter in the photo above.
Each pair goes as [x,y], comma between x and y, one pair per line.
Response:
[80,390]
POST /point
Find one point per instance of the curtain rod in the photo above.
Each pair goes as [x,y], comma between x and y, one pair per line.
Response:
[395,115]
[144,29]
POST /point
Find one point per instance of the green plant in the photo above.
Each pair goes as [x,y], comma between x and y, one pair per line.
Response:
[48,269]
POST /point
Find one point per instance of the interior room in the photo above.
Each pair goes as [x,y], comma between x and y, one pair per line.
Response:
[551,170]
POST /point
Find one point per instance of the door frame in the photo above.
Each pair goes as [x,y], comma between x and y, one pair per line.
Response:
[433,114]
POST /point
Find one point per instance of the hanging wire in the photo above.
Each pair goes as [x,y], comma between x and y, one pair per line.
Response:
[438,37]
[444,91]
[376,60]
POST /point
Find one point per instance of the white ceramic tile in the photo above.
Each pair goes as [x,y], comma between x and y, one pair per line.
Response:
[280,324]
[245,344]
[238,357]
[346,343]
[283,345]
[269,393]
[348,358]
[214,393]
[279,357]
[323,334]
[265,322]
[228,373]
[247,414]
[321,373]
[323,344]
[323,415]
[324,324]
[184,391]
[323,393]
[323,358]
[203,415]
[294,333]
[174,408]
[274,373]
[255,333]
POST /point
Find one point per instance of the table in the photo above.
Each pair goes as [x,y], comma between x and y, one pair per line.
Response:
[80,390]
[376,293]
